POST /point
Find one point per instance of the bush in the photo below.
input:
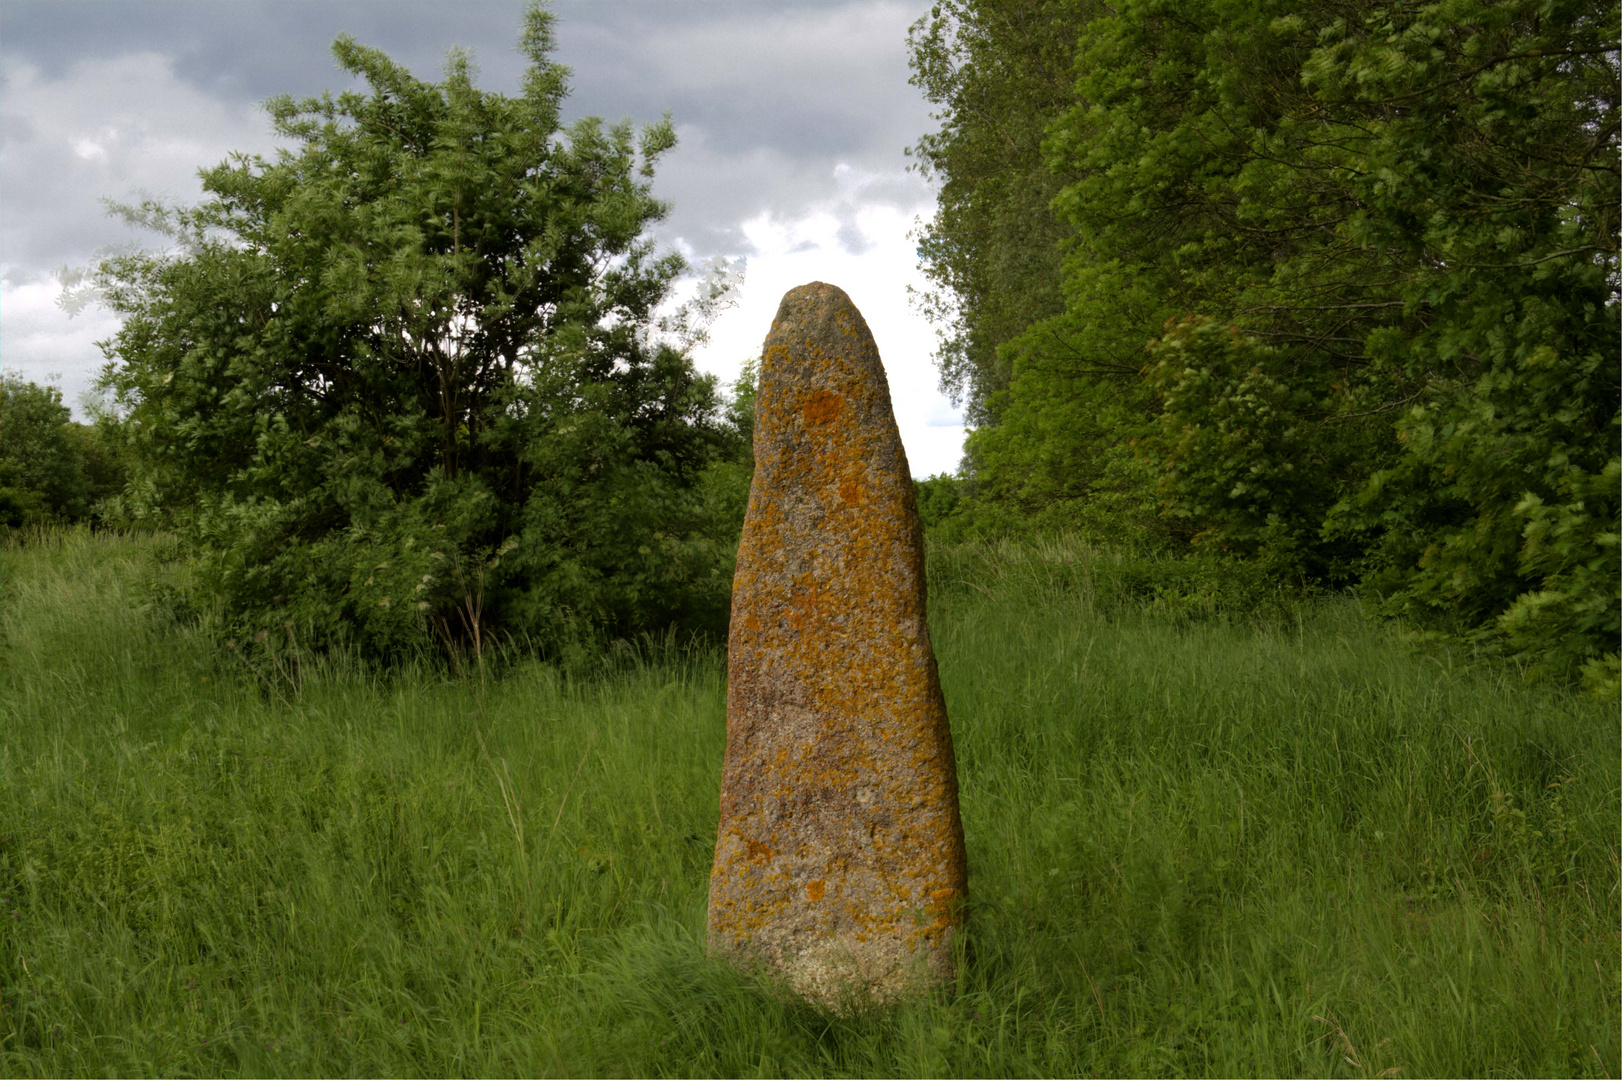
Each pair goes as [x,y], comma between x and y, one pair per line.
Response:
[403,388]
[52,471]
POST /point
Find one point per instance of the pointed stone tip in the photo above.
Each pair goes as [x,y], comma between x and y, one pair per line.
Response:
[813,286]
[819,336]
[814,293]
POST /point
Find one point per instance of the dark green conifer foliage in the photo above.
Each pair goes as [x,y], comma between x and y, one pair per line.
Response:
[403,383]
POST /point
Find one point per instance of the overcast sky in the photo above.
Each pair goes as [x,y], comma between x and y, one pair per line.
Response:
[792,118]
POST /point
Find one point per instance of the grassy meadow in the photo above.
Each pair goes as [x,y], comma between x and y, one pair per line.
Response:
[1199,843]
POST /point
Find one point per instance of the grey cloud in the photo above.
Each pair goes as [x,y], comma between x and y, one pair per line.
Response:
[15,133]
[119,128]
[769,98]
[823,71]
[852,239]
[245,52]
[807,79]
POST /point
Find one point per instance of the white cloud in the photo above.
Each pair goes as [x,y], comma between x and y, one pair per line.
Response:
[783,253]
[119,128]
[42,345]
[89,150]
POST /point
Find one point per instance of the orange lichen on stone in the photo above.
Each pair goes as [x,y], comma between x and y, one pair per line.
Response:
[821,406]
[839,758]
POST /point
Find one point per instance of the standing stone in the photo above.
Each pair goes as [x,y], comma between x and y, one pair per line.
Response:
[839,864]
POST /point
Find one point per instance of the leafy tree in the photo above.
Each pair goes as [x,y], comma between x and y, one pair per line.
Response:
[1185,202]
[939,497]
[105,467]
[52,471]
[1001,72]
[725,484]
[1237,436]
[1492,164]
[1373,250]
[405,381]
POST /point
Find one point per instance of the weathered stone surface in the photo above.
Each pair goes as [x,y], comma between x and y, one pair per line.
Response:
[839,865]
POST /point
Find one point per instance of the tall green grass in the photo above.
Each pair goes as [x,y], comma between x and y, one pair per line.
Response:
[1200,842]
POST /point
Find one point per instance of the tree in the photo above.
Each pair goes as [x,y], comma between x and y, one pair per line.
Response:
[41,478]
[1345,278]
[52,471]
[1409,211]
[405,382]
[1492,163]
[1001,72]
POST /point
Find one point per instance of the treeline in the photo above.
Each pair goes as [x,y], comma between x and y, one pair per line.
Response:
[1318,294]
[1328,288]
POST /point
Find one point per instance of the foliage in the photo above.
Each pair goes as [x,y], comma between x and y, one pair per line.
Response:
[41,477]
[1494,161]
[105,465]
[1247,455]
[405,382]
[1407,214]
[1001,71]
[939,497]
[1570,550]
[52,470]
[724,485]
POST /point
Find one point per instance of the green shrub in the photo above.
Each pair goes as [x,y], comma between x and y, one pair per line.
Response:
[403,388]
[52,471]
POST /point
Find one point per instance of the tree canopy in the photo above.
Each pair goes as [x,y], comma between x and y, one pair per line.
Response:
[405,383]
[1001,72]
[1339,296]
[52,470]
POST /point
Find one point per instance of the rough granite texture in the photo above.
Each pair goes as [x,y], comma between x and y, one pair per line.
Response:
[839,864]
